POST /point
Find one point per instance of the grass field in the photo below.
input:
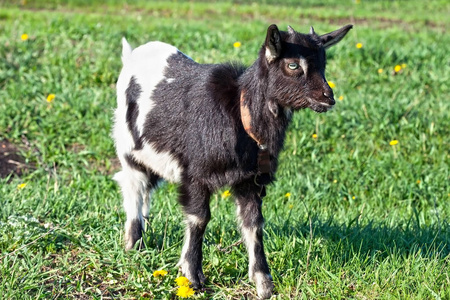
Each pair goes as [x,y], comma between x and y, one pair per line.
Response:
[361,206]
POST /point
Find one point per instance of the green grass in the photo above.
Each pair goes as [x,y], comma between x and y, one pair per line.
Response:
[364,219]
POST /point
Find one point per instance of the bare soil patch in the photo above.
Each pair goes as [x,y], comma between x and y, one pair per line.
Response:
[11,162]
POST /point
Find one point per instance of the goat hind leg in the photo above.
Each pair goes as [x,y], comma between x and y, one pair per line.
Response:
[135,190]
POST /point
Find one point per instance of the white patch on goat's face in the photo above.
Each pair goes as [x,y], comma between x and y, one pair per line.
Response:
[303,64]
[162,163]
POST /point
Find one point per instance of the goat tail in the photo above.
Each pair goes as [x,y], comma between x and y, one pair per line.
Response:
[126,50]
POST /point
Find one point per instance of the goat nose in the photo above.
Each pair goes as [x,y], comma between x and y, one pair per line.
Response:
[330,97]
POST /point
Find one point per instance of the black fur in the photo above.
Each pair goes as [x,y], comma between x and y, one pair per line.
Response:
[133,92]
[136,230]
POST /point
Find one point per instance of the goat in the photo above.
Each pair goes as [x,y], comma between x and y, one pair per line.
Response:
[209,126]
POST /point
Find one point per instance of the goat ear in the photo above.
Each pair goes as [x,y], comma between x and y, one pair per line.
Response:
[273,108]
[273,43]
[334,37]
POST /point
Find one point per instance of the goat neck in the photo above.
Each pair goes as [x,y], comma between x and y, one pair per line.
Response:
[263,119]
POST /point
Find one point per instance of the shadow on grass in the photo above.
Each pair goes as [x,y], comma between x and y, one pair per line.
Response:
[372,238]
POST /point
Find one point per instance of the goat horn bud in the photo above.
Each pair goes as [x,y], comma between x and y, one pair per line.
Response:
[291,30]
[311,30]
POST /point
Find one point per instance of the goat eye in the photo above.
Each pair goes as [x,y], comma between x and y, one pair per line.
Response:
[293,66]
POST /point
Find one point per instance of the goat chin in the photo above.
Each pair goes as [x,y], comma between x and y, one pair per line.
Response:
[320,107]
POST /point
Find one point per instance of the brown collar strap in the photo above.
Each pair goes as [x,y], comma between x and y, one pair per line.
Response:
[263,153]
[247,122]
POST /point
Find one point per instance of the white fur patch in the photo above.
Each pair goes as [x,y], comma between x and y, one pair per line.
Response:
[304,64]
[269,56]
[122,136]
[260,277]
[194,220]
[186,246]
[147,64]
[126,50]
[183,263]
[264,284]
[162,163]
[249,235]
[134,190]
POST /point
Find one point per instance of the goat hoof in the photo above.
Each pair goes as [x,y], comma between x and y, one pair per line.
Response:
[199,281]
[133,234]
[197,278]
[265,289]
[264,285]
[201,278]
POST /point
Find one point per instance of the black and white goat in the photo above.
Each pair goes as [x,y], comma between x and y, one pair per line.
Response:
[209,126]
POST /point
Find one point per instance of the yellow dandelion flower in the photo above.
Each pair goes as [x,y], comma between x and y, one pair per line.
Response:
[237,44]
[287,195]
[353,197]
[185,292]
[331,84]
[359,45]
[21,186]
[24,37]
[393,142]
[226,194]
[314,136]
[182,281]
[335,181]
[397,68]
[341,98]
[50,98]
[160,273]
[380,70]
[418,181]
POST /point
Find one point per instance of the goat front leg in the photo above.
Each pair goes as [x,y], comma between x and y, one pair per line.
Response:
[195,201]
[249,213]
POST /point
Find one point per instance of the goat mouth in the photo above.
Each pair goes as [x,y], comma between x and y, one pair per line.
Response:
[319,107]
